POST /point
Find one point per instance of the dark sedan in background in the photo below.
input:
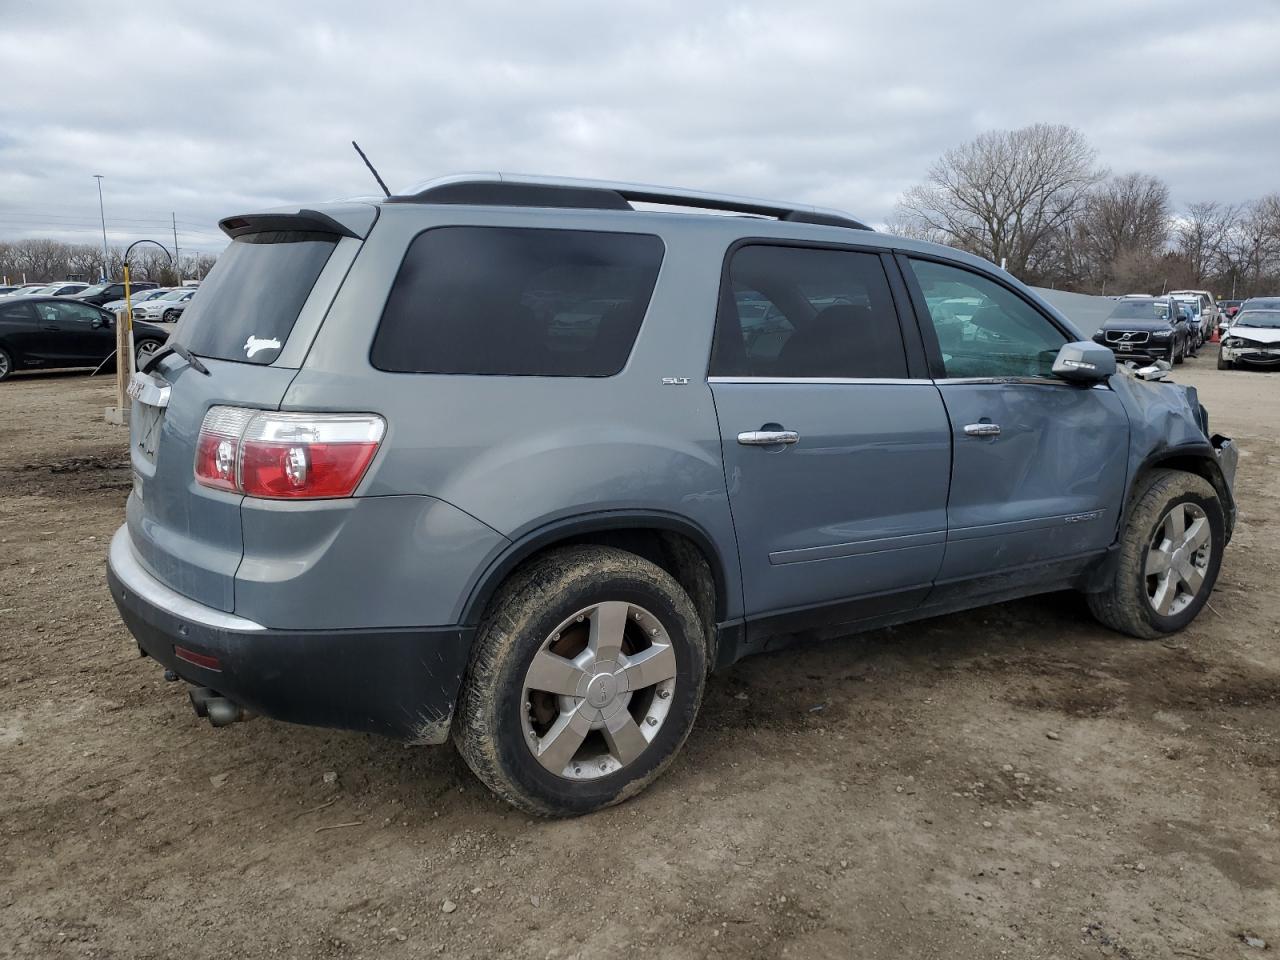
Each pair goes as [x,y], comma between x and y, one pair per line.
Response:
[106,292]
[1147,328]
[46,332]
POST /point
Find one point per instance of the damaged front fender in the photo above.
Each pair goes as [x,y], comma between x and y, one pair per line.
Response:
[1168,427]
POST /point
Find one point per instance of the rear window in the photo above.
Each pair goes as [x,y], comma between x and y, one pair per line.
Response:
[250,300]
[517,302]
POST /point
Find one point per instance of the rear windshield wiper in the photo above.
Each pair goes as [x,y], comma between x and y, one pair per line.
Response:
[170,347]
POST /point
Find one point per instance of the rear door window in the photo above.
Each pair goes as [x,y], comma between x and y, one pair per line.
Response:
[251,299]
[806,312]
[517,302]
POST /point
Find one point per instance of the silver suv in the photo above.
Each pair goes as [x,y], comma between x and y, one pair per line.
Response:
[507,460]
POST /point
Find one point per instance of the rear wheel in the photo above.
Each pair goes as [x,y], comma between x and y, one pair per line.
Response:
[143,349]
[6,365]
[585,681]
[1170,553]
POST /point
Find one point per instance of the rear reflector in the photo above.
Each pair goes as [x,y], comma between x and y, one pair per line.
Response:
[197,659]
[286,455]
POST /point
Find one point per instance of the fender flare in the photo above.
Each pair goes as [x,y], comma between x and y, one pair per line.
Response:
[1204,456]
[568,528]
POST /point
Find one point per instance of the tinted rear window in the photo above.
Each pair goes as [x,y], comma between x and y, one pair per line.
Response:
[247,305]
[517,302]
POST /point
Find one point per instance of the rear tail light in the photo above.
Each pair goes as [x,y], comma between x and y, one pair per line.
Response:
[286,455]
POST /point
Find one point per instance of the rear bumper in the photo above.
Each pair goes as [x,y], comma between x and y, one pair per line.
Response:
[399,682]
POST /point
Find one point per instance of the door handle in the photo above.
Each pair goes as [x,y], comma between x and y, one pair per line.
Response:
[982,430]
[767,438]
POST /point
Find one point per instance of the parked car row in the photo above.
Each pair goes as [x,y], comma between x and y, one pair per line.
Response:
[1149,328]
[43,332]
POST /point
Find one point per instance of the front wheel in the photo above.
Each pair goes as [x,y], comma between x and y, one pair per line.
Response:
[1176,356]
[584,682]
[1224,364]
[1170,553]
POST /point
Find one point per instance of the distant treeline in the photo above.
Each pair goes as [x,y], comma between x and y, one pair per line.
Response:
[1037,199]
[39,259]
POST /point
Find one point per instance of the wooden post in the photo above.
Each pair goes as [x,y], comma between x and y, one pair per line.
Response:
[119,414]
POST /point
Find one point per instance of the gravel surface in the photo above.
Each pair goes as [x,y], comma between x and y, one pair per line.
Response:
[1014,781]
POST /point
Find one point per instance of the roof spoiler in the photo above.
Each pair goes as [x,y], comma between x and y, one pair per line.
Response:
[346,220]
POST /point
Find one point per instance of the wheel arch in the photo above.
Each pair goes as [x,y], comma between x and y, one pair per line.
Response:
[1198,459]
[675,543]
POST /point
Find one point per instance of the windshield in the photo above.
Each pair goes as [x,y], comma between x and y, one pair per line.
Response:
[251,299]
[1141,310]
[95,290]
[171,295]
[1269,319]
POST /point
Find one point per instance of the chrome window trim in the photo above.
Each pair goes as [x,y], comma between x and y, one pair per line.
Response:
[879,381]
[1035,381]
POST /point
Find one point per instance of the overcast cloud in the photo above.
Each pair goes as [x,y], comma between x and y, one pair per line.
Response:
[220,108]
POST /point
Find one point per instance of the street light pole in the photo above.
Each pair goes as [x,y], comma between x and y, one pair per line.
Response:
[103,213]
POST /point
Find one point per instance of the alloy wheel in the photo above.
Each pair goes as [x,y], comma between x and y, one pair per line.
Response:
[598,690]
[1178,559]
[147,347]
[4,364]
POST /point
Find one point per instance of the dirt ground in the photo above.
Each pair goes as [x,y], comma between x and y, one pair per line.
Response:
[1013,782]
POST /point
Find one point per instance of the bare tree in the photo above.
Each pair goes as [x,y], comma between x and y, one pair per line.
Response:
[1127,218]
[1005,194]
[1200,236]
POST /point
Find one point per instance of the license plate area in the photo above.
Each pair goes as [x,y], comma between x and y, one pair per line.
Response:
[151,399]
[148,423]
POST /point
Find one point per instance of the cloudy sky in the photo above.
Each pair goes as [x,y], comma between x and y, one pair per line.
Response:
[223,107]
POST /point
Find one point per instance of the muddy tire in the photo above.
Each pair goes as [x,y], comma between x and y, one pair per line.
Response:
[1170,554]
[585,680]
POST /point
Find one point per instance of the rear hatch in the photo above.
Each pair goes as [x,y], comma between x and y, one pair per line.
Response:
[250,327]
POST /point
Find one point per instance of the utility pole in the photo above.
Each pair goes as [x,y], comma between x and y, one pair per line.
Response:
[102,211]
[177,260]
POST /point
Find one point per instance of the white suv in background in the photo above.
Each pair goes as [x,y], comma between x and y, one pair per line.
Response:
[1208,308]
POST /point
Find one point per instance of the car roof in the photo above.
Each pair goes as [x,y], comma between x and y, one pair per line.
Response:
[608,205]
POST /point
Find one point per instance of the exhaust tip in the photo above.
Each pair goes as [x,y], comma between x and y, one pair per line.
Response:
[200,697]
[223,712]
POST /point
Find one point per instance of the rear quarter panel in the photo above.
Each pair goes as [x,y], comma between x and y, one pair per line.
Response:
[518,453]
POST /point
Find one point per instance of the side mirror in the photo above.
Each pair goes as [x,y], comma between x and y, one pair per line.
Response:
[1084,362]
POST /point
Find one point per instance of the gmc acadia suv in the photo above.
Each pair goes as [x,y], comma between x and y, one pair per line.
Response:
[507,460]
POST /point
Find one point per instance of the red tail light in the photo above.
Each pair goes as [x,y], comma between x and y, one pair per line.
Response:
[286,455]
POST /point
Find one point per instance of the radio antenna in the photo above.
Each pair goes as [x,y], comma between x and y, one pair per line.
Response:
[371,169]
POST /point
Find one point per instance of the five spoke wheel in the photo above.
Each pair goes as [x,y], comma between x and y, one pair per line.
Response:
[598,690]
[1178,559]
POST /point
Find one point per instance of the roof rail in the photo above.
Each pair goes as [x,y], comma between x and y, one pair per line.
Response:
[530,190]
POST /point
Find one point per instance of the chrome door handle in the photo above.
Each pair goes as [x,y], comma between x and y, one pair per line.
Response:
[767,438]
[982,430]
